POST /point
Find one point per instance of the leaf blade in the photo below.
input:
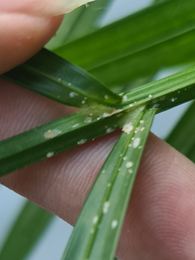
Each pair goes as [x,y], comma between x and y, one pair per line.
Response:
[25,232]
[80,22]
[103,213]
[182,136]
[138,44]
[158,94]
[56,78]
[177,138]
[177,88]
[46,141]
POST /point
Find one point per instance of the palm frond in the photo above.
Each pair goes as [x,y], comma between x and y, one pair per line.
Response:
[25,232]
[97,230]
[57,79]
[138,45]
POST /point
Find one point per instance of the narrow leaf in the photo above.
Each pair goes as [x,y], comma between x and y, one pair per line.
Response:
[177,89]
[48,140]
[97,230]
[129,38]
[80,22]
[182,137]
[89,20]
[56,78]
[138,45]
[25,232]
[68,23]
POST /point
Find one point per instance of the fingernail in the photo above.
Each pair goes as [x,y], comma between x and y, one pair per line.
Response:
[41,7]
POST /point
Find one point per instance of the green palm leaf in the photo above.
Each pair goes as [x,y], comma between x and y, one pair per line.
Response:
[182,137]
[56,78]
[55,137]
[176,88]
[79,23]
[102,216]
[133,48]
[48,140]
[25,232]
[177,138]
[138,45]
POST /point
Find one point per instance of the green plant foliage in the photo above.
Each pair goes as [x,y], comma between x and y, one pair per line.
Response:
[56,78]
[177,138]
[182,137]
[89,20]
[176,88]
[48,140]
[25,232]
[123,54]
[138,45]
[97,230]
[80,22]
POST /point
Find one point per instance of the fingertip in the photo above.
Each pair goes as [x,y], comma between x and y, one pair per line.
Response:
[25,26]
[41,8]
[22,36]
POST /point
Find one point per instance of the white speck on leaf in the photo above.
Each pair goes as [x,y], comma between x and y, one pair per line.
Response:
[125,98]
[129,165]
[136,142]
[73,94]
[173,99]
[88,120]
[128,128]
[50,134]
[95,220]
[114,224]
[50,154]
[105,115]
[109,130]
[82,141]
[75,126]
[106,207]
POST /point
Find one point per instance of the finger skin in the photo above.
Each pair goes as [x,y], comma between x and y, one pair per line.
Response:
[22,36]
[25,26]
[41,8]
[160,220]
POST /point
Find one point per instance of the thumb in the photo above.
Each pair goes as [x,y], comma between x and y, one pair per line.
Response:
[25,26]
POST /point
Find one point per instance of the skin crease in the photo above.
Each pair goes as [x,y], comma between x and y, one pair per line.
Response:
[160,220]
